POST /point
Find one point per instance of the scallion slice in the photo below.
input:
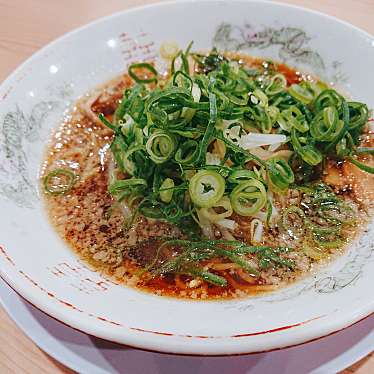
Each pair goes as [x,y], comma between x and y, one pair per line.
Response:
[301,93]
[161,146]
[59,181]
[166,190]
[206,188]
[280,175]
[248,198]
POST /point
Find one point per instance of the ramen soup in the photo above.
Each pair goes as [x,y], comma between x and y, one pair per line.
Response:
[224,177]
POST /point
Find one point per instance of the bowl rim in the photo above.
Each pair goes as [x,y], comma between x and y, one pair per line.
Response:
[141,342]
[184,354]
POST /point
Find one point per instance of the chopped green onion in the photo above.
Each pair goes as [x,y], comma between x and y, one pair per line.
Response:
[340,212]
[280,175]
[327,98]
[237,259]
[123,184]
[301,93]
[248,198]
[308,153]
[205,275]
[360,165]
[166,190]
[129,165]
[358,115]
[326,126]
[59,181]
[144,66]
[106,122]
[161,146]
[293,118]
[277,84]
[206,188]
[209,132]
[241,175]
[187,153]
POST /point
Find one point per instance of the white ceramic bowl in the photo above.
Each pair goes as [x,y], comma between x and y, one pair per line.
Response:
[39,266]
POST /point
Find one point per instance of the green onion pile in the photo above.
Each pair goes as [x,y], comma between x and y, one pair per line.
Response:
[165,129]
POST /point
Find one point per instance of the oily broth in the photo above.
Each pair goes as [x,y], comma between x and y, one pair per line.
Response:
[84,217]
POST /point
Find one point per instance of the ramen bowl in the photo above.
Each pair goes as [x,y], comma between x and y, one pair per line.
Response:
[41,267]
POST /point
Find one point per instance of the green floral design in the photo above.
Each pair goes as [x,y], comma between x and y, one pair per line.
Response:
[292,42]
[17,132]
